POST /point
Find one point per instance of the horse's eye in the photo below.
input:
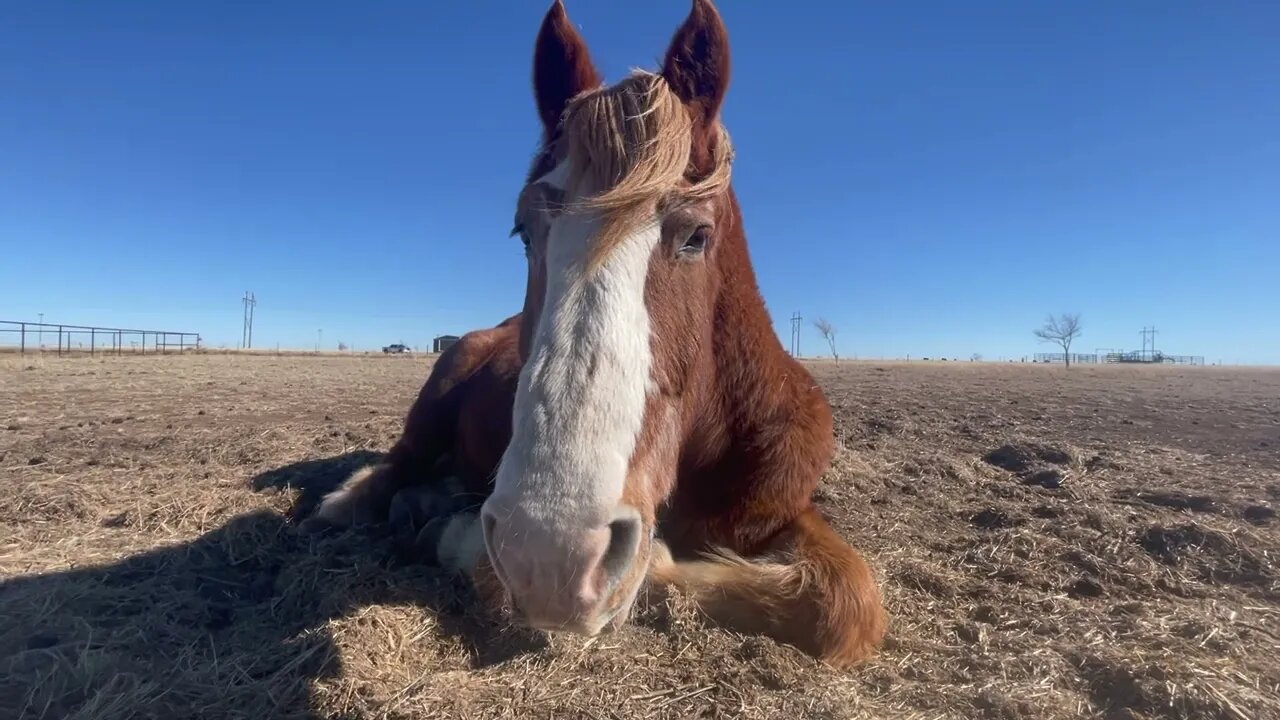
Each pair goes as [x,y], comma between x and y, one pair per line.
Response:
[697,241]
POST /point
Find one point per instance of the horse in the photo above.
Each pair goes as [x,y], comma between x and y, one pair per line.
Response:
[639,422]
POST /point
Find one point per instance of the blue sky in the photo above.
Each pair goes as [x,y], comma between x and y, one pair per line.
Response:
[932,177]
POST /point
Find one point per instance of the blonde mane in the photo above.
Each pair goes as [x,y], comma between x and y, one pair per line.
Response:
[630,147]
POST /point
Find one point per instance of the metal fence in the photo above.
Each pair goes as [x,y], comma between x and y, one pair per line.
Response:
[25,337]
[1156,357]
[1076,358]
[1137,357]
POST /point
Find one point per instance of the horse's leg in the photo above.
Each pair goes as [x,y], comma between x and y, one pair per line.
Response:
[816,593]
[416,505]
[429,433]
[365,497]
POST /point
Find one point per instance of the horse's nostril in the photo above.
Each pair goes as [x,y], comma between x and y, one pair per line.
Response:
[489,523]
[624,543]
[489,526]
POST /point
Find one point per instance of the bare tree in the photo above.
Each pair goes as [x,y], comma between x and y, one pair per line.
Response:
[1061,330]
[829,334]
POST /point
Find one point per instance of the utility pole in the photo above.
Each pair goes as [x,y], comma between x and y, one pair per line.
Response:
[246,331]
[796,325]
[1148,332]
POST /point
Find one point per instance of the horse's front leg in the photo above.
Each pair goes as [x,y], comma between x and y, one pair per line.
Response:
[367,496]
[414,507]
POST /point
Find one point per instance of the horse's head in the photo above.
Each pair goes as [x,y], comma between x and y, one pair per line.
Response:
[621,216]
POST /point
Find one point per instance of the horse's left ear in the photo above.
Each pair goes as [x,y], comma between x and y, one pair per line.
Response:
[697,63]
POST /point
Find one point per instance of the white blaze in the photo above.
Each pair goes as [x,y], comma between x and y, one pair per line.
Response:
[580,401]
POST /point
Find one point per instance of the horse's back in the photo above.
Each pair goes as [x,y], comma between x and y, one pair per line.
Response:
[484,419]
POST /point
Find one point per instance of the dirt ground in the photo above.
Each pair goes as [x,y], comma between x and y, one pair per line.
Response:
[1093,543]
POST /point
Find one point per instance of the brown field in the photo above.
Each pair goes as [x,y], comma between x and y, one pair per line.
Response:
[1092,543]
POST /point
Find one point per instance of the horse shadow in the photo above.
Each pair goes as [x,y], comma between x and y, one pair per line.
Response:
[235,623]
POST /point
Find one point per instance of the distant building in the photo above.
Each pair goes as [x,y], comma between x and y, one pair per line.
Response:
[443,342]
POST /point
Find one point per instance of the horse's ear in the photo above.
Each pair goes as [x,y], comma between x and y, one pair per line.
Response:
[697,63]
[562,67]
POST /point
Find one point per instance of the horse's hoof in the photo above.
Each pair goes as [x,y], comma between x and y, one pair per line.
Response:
[316,525]
[414,506]
[411,509]
[426,546]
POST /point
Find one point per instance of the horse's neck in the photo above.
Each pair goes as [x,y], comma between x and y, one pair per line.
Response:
[752,367]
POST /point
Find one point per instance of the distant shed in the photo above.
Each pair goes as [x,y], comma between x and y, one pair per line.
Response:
[442,343]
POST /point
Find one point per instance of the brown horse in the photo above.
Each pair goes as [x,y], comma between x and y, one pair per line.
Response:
[642,393]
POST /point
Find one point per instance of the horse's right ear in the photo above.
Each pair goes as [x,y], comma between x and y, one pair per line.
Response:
[562,67]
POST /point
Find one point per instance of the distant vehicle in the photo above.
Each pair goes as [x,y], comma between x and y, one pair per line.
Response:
[397,348]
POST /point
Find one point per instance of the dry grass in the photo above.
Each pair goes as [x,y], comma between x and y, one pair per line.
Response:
[1098,543]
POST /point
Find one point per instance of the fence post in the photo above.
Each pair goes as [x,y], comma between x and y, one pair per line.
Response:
[22,343]
[93,336]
